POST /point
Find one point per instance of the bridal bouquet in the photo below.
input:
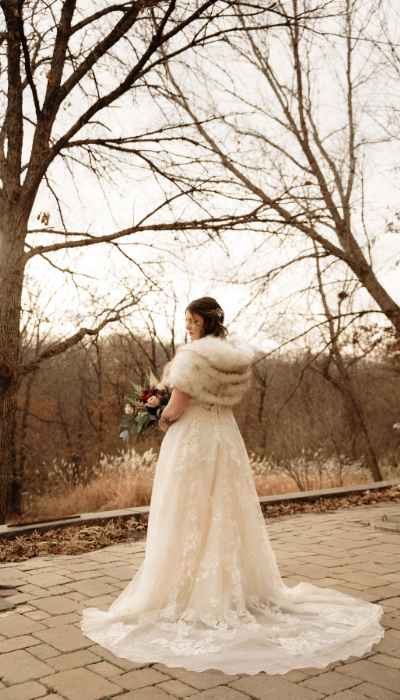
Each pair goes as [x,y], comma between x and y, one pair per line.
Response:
[143,408]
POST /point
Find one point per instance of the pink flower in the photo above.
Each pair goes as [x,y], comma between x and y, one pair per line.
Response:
[153,401]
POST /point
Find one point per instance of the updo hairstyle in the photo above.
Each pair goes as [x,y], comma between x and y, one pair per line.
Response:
[212,314]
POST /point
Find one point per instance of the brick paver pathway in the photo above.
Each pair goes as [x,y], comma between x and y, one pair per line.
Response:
[44,654]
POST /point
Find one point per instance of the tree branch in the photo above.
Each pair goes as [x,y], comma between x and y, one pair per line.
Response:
[13,123]
[62,346]
[27,60]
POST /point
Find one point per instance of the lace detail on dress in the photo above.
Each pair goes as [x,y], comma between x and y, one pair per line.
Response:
[209,592]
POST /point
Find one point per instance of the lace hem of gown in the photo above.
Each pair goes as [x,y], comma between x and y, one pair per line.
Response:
[272,638]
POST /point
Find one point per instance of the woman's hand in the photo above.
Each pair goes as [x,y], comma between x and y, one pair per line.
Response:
[164,423]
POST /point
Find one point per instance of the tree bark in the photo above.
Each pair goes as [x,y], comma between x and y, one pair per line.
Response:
[369,280]
[11,281]
[344,382]
[17,501]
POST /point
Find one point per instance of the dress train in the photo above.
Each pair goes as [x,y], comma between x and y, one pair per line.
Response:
[209,594]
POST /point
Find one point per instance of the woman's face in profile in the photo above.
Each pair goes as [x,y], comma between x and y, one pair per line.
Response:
[194,325]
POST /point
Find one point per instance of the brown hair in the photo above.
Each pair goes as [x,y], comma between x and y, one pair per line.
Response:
[212,314]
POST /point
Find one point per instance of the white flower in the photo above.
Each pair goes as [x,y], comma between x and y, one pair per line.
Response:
[396,426]
[128,409]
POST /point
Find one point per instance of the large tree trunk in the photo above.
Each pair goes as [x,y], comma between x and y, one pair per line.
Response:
[11,281]
[18,503]
[344,381]
[356,411]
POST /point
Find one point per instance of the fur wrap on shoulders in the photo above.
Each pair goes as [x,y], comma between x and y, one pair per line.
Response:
[211,369]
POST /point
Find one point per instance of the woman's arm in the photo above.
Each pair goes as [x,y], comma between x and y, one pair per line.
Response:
[177,405]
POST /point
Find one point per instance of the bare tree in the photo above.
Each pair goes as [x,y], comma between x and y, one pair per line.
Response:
[296,169]
[63,66]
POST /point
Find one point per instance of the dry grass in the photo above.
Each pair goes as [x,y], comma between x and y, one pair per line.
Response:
[122,481]
[107,492]
[277,483]
[126,481]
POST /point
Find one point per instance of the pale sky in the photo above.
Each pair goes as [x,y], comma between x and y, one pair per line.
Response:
[193,273]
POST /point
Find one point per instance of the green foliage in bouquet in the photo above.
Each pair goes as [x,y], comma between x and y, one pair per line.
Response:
[143,409]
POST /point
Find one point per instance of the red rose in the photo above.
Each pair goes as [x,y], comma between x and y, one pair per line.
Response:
[149,392]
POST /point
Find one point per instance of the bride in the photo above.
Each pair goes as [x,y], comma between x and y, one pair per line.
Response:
[209,594]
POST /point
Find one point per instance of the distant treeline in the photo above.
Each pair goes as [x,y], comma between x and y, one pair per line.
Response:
[69,410]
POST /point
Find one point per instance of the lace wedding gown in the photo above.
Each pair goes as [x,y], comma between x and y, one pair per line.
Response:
[209,594]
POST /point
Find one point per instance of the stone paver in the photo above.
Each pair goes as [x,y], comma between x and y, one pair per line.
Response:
[201,681]
[65,638]
[329,683]
[36,614]
[43,652]
[376,692]
[390,644]
[265,687]
[104,668]
[24,691]
[47,580]
[57,604]
[177,689]
[347,695]
[15,625]
[153,693]
[61,620]
[80,683]
[376,674]
[221,693]
[123,573]
[140,678]
[93,587]
[392,661]
[12,578]
[15,643]
[75,659]
[34,591]
[126,665]
[19,666]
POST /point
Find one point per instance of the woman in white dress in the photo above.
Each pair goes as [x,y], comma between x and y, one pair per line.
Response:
[209,594]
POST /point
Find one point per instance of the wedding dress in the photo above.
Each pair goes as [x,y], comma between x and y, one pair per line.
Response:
[209,594]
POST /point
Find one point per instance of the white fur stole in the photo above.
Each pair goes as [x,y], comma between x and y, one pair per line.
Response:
[212,370]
